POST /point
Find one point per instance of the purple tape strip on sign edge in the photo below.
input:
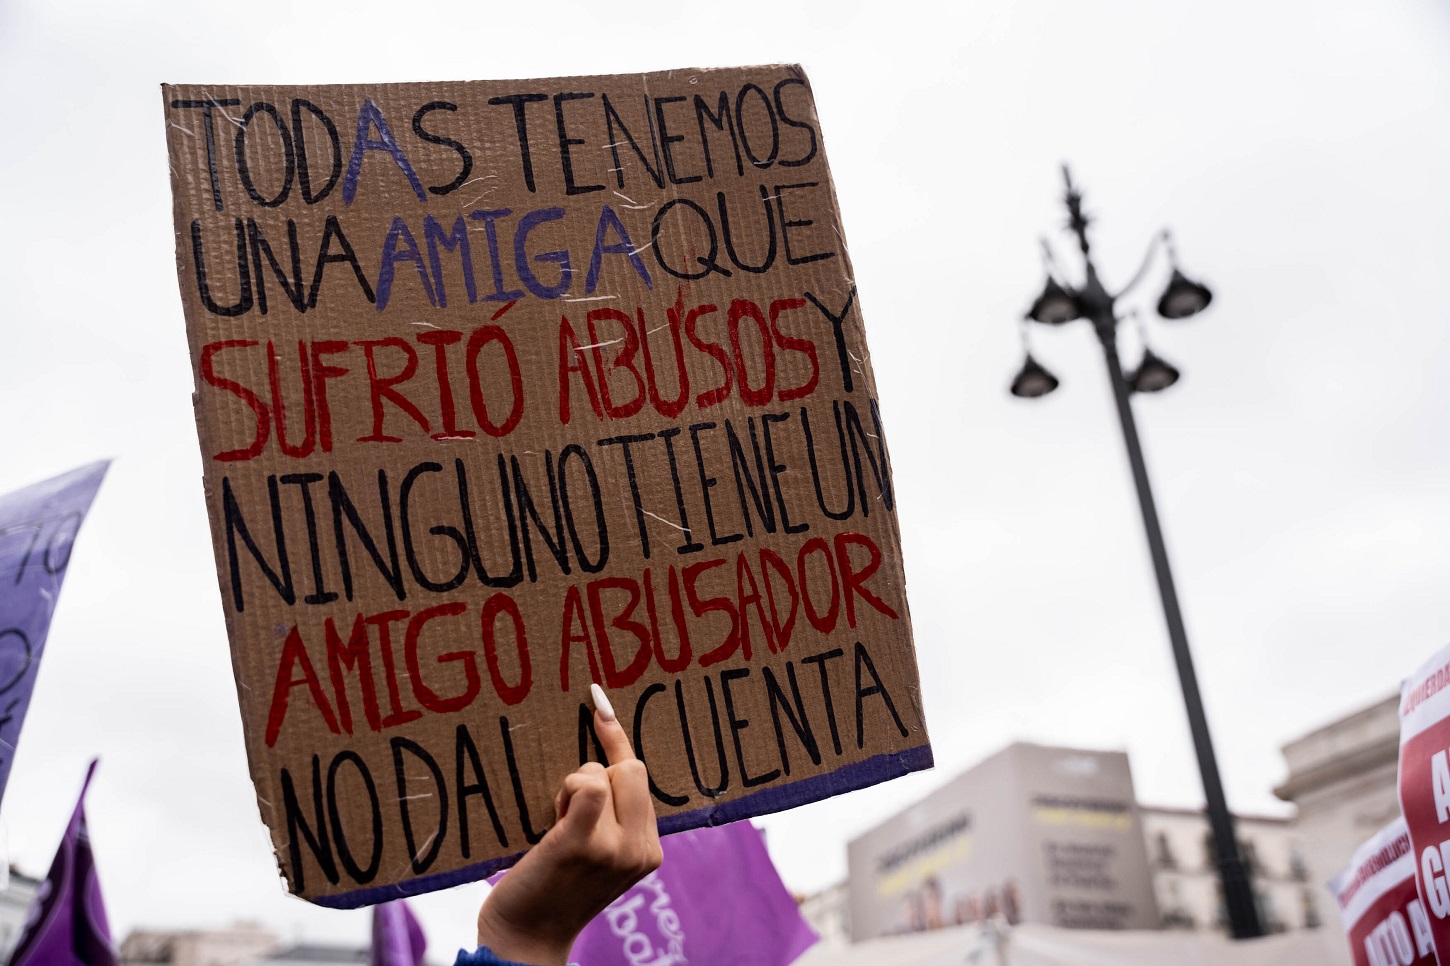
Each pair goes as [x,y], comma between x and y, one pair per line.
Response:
[862,774]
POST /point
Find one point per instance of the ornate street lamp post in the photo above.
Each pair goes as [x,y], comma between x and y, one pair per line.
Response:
[1062,302]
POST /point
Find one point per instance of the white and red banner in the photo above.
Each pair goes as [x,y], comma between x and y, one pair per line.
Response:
[1425,787]
[1384,920]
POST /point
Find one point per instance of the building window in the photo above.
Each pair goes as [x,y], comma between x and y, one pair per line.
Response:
[1175,916]
[1267,917]
[1210,852]
[1251,859]
[1311,912]
[1165,852]
[1298,868]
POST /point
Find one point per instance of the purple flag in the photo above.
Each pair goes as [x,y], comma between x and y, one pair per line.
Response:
[38,527]
[67,922]
[398,939]
[716,901]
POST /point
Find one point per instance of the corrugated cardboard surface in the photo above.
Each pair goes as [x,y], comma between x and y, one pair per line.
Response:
[506,386]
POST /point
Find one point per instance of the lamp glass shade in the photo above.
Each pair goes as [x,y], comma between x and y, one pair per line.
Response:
[1183,297]
[1033,380]
[1152,374]
[1055,306]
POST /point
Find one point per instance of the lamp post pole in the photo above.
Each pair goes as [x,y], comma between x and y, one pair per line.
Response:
[1098,306]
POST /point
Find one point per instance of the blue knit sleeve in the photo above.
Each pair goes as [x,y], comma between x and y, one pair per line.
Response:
[482,956]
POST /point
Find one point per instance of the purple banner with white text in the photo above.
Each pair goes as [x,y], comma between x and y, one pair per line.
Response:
[38,527]
[716,901]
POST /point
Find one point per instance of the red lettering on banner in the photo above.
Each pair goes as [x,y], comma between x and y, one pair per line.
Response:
[788,343]
[1424,784]
[510,694]
[571,360]
[765,594]
[321,372]
[426,696]
[380,389]
[254,402]
[623,360]
[615,369]
[279,405]
[481,337]
[614,675]
[576,616]
[495,388]
[741,310]
[674,320]
[295,668]
[855,580]
[721,392]
[1434,682]
[440,340]
[294,658]
[354,654]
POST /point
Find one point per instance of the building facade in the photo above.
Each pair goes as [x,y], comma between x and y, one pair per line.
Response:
[1343,779]
[1031,834]
[1038,834]
[1185,871]
[240,943]
[829,913]
[15,900]
[314,954]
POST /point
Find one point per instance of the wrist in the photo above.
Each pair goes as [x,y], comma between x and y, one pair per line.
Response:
[534,947]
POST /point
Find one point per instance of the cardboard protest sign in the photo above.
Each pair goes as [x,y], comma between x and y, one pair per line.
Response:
[717,899]
[1384,919]
[507,387]
[38,527]
[1425,787]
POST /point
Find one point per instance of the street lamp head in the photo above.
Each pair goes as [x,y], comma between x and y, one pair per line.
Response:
[1055,306]
[1183,297]
[1152,374]
[1033,380]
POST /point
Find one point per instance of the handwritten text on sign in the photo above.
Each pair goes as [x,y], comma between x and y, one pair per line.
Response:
[507,387]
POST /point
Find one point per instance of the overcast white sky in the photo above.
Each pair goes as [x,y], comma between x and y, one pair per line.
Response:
[1298,149]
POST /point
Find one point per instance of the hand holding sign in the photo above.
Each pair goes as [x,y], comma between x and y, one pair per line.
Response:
[604,840]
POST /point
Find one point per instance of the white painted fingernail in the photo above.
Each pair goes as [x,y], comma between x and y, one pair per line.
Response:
[601,702]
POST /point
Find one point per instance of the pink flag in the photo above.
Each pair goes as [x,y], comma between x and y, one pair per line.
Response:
[67,922]
[398,939]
